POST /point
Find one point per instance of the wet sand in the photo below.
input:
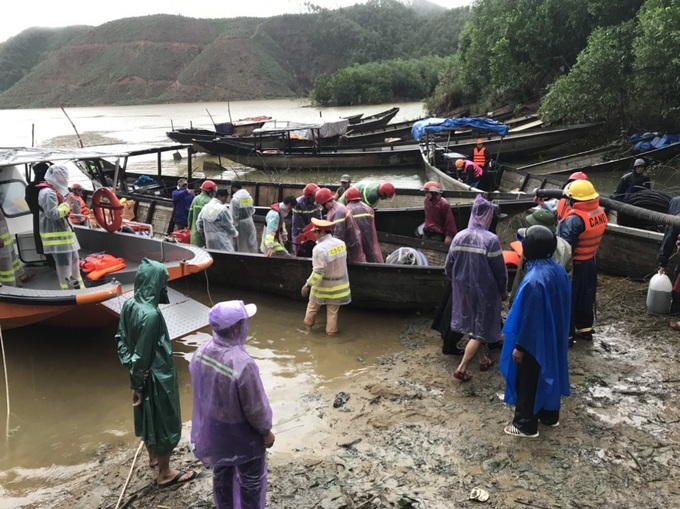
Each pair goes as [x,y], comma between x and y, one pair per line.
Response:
[412,436]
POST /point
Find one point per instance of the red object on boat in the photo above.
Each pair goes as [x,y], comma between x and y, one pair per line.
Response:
[183,236]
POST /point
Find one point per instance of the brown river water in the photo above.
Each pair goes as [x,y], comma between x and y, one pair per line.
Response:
[70,397]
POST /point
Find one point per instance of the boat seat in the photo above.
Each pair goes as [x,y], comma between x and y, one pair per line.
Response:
[27,251]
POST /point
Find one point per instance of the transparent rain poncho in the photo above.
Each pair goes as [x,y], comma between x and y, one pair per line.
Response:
[231,412]
[478,276]
[242,211]
[215,223]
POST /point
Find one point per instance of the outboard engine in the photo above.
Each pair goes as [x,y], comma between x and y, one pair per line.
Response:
[407,256]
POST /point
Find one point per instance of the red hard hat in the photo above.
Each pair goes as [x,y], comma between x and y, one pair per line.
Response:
[352,194]
[323,196]
[387,190]
[310,190]
[432,187]
[208,185]
[577,175]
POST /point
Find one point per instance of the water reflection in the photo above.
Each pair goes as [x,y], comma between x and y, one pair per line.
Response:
[71,404]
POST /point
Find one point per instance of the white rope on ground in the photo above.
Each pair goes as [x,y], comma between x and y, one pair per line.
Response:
[4,365]
[134,460]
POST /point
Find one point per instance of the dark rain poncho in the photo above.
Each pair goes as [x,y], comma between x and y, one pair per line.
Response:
[478,276]
[538,323]
[231,412]
[144,345]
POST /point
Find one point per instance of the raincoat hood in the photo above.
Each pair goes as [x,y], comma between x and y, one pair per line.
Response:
[57,177]
[212,210]
[150,283]
[229,322]
[482,213]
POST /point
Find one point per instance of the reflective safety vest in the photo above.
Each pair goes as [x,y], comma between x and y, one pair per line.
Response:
[595,220]
[479,156]
[329,279]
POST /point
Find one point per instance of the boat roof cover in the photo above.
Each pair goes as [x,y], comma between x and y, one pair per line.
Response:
[12,156]
[327,129]
[437,125]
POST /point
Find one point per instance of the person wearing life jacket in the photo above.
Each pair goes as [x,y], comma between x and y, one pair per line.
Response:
[372,193]
[439,222]
[328,284]
[242,211]
[583,228]
[274,233]
[208,190]
[215,223]
[345,227]
[480,155]
[560,208]
[303,212]
[56,232]
[365,219]
[182,197]
[469,172]
[80,214]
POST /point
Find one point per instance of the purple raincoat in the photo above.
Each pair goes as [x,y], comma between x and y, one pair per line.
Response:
[346,229]
[231,411]
[478,276]
[365,219]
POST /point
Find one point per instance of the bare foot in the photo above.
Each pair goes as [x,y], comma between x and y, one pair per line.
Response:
[153,463]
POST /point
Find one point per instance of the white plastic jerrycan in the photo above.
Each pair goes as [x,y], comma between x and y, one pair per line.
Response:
[659,294]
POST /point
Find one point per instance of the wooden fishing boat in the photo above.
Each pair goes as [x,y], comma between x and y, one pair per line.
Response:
[375,121]
[314,158]
[39,299]
[239,129]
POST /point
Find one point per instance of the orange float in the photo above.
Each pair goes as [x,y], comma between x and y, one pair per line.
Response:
[108,210]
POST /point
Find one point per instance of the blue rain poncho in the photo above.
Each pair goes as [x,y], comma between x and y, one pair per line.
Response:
[231,412]
[215,224]
[478,276]
[144,345]
[242,211]
[538,323]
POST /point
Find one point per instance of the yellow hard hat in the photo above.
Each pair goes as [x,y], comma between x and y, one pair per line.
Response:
[581,190]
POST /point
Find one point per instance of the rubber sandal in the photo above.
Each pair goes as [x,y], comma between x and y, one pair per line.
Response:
[553,425]
[463,376]
[484,366]
[176,479]
[511,429]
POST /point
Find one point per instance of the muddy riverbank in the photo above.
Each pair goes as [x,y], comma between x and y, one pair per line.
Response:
[411,436]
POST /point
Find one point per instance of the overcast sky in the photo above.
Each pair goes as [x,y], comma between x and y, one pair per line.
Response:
[26,14]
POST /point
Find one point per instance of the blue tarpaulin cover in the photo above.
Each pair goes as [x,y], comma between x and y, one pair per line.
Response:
[437,125]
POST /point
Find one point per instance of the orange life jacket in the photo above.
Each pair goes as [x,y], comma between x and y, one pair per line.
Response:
[562,209]
[97,265]
[595,220]
[84,211]
[479,156]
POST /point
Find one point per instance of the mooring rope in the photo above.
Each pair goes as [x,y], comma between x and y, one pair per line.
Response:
[4,365]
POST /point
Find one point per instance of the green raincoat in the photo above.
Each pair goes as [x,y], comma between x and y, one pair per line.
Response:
[197,238]
[144,345]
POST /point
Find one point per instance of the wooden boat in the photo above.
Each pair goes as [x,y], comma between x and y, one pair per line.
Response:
[373,121]
[239,128]
[294,158]
[39,299]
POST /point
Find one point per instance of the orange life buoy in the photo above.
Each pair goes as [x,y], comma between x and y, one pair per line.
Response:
[107,209]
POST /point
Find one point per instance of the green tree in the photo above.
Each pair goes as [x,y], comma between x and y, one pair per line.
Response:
[599,86]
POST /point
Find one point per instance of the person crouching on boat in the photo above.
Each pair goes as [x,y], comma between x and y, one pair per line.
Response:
[80,214]
[274,233]
[345,228]
[469,172]
[242,211]
[56,232]
[365,219]
[303,212]
[439,222]
[215,223]
[373,192]
[328,285]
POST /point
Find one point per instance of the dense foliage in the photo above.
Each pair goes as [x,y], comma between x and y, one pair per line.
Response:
[381,82]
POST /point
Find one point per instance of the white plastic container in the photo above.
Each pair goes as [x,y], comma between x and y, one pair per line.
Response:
[659,294]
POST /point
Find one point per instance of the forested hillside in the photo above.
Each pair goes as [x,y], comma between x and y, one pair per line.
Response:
[163,58]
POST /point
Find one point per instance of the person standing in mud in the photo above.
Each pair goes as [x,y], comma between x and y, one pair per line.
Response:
[479,284]
[231,425]
[144,348]
[534,357]
[328,285]
[668,246]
